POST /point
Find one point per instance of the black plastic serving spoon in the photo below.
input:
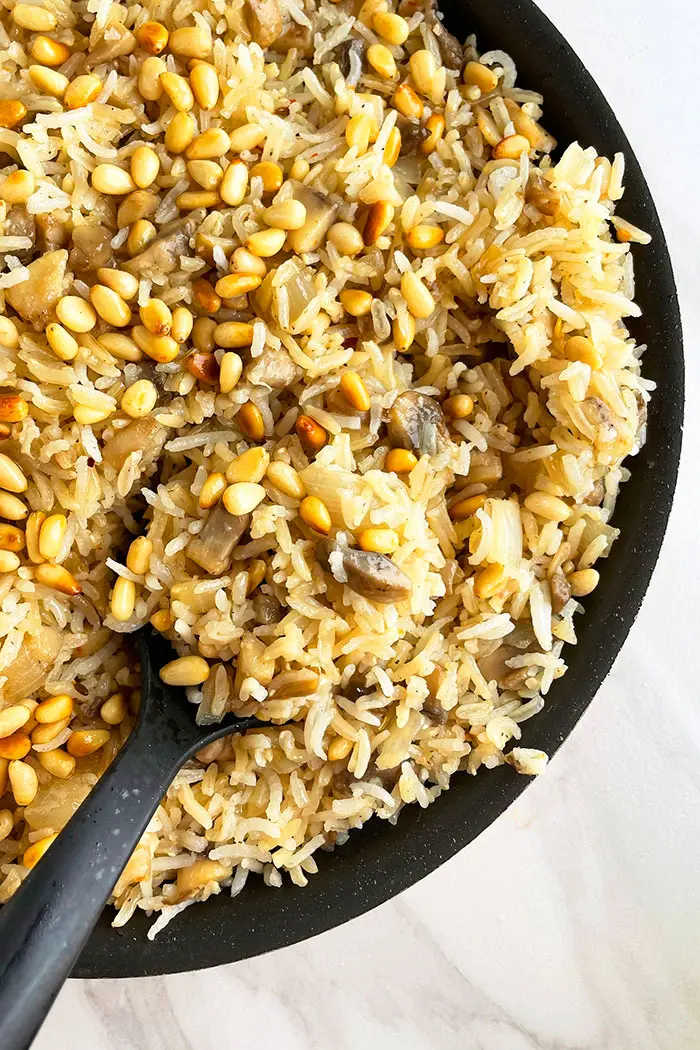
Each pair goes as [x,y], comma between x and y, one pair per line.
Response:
[46,923]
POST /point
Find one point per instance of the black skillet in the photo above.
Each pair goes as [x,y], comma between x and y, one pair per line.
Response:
[381,860]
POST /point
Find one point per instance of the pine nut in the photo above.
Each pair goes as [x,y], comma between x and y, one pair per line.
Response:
[55,709]
[231,367]
[551,508]
[287,215]
[209,145]
[182,325]
[191,42]
[204,367]
[315,514]
[435,125]
[82,91]
[247,137]
[23,781]
[52,535]
[9,336]
[406,101]
[250,420]
[311,434]
[233,334]
[355,302]
[33,529]
[339,748]
[390,27]
[44,734]
[120,346]
[153,37]
[4,763]
[271,174]
[382,61]
[11,477]
[191,199]
[33,854]
[123,599]
[459,406]
[57,763]
[299,169]
[243,497]
[12,508]
[422,238]
[358,132]
[400,461]
[392,150]
[249,466]
[110,306]
[354,391]
[15,747]
[12,112]
[205,296]
[139,554]
[266,243]
[11,538]
[180,133]
[161,620]
[140,235]
[243,262]
[235,284]
[160,348]
[124,284]
[379,218]
[156,317]
[18,187]
[76,314]
[187,670]
[346,238]
[112,180]
[206,173]
[9,561]
[466,507]
[285,478]
[13,409]
[489,581]
[144,166]
[49,52]
[423,69]
[149,83]
[197,875]
[137,205]
[212,490]
[204,81]
[139,399]
[12,719]
[114,710]
[35,19]
[48,81]
[580,348]
[380,541]
[480,76]
[178,91]
[403,329]
[203,334]
[583,582]
[58,578]
[511,147]
[84,742]
[234,184]
[418,299]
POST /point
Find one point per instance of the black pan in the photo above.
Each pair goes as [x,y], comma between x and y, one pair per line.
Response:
[380,860]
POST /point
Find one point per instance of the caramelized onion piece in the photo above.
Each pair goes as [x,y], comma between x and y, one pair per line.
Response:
[143,434]
[30,668]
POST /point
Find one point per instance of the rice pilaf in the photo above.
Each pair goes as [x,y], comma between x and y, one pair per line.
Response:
[315,359]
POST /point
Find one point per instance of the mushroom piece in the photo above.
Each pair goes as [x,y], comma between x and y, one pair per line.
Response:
[162,256]
[560,591]
[265,21]
[342,56]
[267,609]
[52,230]
[274,368]
[299,37]
[35,298]
[451,51]
[413,136]
[372,575]
[213,547]
[416,422]
[320,214]
[143,435]
[91,247]
[116,42]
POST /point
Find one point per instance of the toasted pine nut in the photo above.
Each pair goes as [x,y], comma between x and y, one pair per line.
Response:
[243,497]
[124,284]
[120,346]
[233,334]
[187,670]
[231,367]
[197,875]
[206,173]
[140,235]
[18,187]
[11,538]
[144,166]
[287,215]
[234,185]
[54,709]
[354,391]
[381,541]
[422,238]
[9,336]
[356,302]
[204,81]
[203,335]
[406,101]
[242,261]
[15,747]
[149,84]
[139,399]
[33,854]
[316,515]
[580,348]
[23,781]
[358,132]
[249,466]
[52,535]
[423,69]
[418,299]
[489,581]
[466,507]
[12,719]
[84,742]
[583,582]
[9,561]
[182,325]
[480,76]
[156,317]
[247,137]
[435,125]
[11,477]
[114,710]
[57,763]
[34,18]
[110,306]
[13,409]
[82,91]
[191,199]
[546,506]
[49,81]
[33,529]
[75,313]
[161,348]
[459,406]
[161,620]
[346,238]
[12,112]
[12,508]
[112,180]
[403,329]
[379,219]
[180,133]
[250,420]
[58,578]
[178,91]
[311,434]
[285,478]
[299,169]
[392,150]
[43,734]
[212,490]
[209,145]
[382,61]
[191,42]
[235,284]
[153,37]
[339,748]
[266,243]
[139,554]
[390,27]
[271,174]
[400,461]
[511,147]
[49,52]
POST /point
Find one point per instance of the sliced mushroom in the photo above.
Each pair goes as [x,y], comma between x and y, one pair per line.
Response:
[30,668]
[162,256]
[144,435]
[299,37]
[274,368]
[265,21]
[35,298]
[341,55]
[451,51]
[320,214]
[213,547]
[372,575]
[540,193]
[560,590]
[91,247]
[416,422]
[412,136]
[52,230]
[116,42]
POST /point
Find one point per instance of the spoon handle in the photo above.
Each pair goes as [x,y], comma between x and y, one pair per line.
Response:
[45,924]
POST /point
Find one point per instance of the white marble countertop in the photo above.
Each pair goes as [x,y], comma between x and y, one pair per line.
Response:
[572,923]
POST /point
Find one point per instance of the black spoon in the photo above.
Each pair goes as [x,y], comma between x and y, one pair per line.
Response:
[46,923]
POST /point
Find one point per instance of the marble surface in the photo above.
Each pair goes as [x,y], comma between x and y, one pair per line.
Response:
[572,923]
